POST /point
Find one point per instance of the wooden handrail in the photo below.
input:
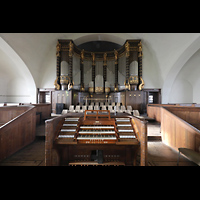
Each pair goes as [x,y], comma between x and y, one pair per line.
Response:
[17,132]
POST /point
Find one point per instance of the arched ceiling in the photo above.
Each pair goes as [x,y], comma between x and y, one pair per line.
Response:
[13,68]
[166,53]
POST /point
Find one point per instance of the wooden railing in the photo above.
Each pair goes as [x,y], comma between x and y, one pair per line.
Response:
[177,133]
[18,129]
[179,125]
[140,127]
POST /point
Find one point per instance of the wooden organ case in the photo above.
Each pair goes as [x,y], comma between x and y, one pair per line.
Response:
[95,138]
[129,90]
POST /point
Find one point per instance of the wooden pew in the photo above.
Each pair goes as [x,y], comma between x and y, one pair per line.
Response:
[179,125]
[18,129]
[43,111]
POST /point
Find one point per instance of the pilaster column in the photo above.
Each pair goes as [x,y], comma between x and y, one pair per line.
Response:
[140,54]
[127,46]
[71,62]
[116,89]
[104,70]
[93,70]
[82,71]
[57,81]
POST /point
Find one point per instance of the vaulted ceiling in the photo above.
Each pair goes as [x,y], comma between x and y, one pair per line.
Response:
[165,56]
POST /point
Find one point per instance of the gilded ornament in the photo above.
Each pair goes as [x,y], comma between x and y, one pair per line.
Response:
[93,58]
[82,88]
[141,86]
[107,89]
[104,58]
[58,47]
[127,84]
[70,86]
[70,48]
[91,89]
[140,49]
[116,89]
[64,80]
[57,86]
[133,80]
[127,46]
[98,89]
[116,56]
[82,55]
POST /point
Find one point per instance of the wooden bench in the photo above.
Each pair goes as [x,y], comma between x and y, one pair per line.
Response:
[190,154]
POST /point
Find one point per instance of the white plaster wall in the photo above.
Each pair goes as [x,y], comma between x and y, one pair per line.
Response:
[13,88]
[14,81]
[186,87]
[17,90]
[196,92]
[48,69]
[3,86]
[191,71]
[182,92]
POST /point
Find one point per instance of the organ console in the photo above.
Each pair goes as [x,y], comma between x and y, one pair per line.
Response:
[95,138]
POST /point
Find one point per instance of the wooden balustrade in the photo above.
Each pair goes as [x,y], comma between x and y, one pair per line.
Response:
[18,129]
[179,125]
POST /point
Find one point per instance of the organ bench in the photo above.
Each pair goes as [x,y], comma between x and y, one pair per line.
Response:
[95,138]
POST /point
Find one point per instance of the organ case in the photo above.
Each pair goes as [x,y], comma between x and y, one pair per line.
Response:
[72,139]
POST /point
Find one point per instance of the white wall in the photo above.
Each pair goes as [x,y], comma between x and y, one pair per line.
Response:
[196,92]
[186,87]
[16,84]
[3,87]
[181,92]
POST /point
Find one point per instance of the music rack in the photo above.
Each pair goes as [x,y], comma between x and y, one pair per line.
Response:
[97,114]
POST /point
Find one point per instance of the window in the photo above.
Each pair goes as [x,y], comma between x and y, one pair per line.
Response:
[150,98]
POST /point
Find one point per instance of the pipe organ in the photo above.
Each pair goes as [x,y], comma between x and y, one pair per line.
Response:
[114,76]
[66,50]
[95,138]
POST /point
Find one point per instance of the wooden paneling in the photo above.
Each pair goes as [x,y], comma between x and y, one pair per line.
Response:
[140,126]
[178,133]
[45,109]
[118,97]
[154,112]
[19,131]
[136,99]
[190,114]
[68,98]
[179,125]
[10,112]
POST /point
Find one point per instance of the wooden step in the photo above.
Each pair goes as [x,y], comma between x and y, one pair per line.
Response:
[93,163]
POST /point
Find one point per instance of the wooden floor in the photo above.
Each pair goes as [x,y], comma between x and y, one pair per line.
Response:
[159,154]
